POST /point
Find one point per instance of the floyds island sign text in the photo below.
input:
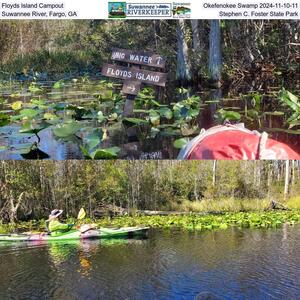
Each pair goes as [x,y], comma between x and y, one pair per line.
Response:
[134,75]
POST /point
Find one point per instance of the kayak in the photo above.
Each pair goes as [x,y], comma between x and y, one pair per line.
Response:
[76,235]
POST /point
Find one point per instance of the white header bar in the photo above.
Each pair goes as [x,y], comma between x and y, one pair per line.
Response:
[149,9]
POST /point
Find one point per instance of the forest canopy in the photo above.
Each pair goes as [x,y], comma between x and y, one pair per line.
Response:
[194,49]
[31,189]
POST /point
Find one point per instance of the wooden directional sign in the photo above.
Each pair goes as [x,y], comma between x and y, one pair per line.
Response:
[131,87]
[134,74]
[139,58]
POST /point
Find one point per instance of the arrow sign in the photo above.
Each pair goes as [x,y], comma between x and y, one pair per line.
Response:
[139,58]
[131,87]
[159,60]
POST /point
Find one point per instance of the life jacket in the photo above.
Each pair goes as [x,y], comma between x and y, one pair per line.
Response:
[235,142]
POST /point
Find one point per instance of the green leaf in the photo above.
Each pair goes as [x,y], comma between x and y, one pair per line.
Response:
[166,112]
[154,117]
[4,119]
[108,153]
[59,84]
[50,116]
[134,121]
[228,115]
[289,99]
[17,105]
[180,143]
[94,138]
[28,113]
[66,129]
[33,88]
[85,152]
[32,127]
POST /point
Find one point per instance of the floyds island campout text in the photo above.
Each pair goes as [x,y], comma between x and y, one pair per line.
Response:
[32,5]
[38,9]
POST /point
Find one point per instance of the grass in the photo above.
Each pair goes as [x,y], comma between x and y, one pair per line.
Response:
[293,202]
[55,62]
[223,205]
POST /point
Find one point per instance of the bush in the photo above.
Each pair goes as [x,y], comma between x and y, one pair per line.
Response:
[58,62]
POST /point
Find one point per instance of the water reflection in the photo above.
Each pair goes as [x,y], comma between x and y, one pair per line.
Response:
[231,264]
[207,116]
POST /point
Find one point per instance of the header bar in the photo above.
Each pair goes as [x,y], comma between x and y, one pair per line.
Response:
[147,9]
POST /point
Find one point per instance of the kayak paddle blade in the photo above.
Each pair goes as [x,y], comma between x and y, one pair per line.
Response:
[81,214]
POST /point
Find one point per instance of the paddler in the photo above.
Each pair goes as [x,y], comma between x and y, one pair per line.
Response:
[54,226]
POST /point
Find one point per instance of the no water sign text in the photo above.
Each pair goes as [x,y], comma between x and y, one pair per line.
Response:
[139,58]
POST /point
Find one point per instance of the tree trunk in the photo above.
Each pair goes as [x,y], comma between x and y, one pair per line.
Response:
[286,181]
[215,56]
[214,173]
[196,35]
[183,72]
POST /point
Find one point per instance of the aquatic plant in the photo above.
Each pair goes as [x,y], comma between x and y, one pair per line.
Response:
[191,222]
[209,221]
[69,119]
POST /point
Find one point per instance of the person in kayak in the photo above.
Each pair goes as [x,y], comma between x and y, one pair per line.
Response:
[54,226]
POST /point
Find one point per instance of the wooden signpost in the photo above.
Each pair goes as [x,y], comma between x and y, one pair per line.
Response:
[134,75]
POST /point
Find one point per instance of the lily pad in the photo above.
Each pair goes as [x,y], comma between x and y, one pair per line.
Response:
[28,113]
[134,121]
[4,119]
[66,129]
[94,139]
[180,143]
[32,127]
[108,153]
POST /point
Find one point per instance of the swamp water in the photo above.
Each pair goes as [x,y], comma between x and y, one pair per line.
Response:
[232,264]
[97,105]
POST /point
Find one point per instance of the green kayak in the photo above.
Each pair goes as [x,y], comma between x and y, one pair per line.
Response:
[76,235]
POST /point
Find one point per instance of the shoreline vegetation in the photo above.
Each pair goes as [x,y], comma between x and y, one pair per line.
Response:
[191,195]
[191,222]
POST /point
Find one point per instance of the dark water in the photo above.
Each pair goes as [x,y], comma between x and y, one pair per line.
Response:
[232,264]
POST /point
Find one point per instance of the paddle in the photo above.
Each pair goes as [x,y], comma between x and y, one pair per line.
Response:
[81,214]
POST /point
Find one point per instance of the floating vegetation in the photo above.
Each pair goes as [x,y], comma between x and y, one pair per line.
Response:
[190,222]
[210,221]
[80,110]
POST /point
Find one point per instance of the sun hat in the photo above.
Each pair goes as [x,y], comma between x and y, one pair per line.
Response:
[55,213]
